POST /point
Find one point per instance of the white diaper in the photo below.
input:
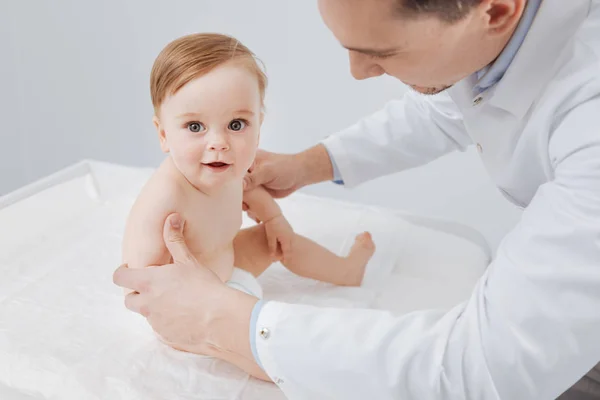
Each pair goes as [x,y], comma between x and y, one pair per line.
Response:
[245,282]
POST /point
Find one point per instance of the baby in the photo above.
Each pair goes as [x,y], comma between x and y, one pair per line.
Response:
[208,92]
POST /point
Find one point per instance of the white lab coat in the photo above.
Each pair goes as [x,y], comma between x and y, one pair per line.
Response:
[531,328]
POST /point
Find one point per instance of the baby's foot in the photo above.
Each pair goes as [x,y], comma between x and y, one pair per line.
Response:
[361,252]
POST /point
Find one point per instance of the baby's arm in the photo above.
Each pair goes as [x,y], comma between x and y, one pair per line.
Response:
[143,243]
[262,204]
[278,230]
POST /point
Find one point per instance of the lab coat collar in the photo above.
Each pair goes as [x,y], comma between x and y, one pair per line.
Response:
[492,74]
[539,57]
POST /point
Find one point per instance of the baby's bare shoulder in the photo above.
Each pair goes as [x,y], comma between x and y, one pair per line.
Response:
[143,237]
[158,198]
[143,243]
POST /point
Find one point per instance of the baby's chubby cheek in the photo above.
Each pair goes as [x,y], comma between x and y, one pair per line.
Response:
[191,157]
[249,159]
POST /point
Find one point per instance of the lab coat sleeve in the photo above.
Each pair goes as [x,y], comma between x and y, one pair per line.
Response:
[405,134]
[530,329]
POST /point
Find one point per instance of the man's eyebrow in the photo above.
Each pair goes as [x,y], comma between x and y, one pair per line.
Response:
[373,51]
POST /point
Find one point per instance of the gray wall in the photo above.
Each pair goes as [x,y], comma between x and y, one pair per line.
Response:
[74,79]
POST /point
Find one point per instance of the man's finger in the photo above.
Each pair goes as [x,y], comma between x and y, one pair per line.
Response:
[249,181]
[137,279]
[279,194]
[286,246]
[272,244]
[174,240]
[136,303]
[259,175]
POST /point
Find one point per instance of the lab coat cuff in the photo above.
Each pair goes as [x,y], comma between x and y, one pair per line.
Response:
[253,319]
[265,331]
[339,158]
[337,177]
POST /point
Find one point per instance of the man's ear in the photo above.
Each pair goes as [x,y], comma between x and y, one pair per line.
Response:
[162,137]
[503,15]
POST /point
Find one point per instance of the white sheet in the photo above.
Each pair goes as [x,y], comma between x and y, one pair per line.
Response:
[65,334]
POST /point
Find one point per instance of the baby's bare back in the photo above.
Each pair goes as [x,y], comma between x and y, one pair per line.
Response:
[211,222]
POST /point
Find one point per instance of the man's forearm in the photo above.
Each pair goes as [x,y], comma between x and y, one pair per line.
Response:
[405,134]
[315,164]
[232,343]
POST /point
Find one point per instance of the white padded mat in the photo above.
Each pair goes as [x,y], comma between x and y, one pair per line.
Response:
[65,334]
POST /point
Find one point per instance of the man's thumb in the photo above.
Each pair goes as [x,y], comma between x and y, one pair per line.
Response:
[174,240]
[250,181]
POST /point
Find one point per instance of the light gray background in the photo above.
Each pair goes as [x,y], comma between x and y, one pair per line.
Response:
[74,85]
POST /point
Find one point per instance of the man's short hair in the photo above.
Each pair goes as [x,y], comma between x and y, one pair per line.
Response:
[447,10]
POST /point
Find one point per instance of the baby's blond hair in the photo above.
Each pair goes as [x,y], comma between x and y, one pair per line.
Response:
[192,56]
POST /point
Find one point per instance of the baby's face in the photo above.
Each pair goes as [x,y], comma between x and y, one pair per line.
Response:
[211,126]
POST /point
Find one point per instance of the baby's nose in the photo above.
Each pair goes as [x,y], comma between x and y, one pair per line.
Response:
[219,145]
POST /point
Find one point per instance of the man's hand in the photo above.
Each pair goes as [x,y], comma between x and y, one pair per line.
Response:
[187,304]
[280,236]
[279,173]
[283,174]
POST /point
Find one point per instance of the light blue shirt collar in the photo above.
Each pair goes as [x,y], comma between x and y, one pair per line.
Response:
[493,73]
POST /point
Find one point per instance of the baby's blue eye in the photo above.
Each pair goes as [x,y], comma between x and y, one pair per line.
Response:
[195,127]
[237,125]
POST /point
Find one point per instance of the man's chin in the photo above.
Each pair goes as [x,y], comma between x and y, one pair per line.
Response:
[429,90]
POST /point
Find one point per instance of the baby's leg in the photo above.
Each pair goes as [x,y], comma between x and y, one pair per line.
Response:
[252,250]
[311,260]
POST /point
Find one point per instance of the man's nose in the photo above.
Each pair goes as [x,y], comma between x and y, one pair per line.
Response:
[362,67]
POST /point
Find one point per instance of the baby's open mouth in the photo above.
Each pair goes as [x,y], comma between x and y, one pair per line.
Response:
[217,166]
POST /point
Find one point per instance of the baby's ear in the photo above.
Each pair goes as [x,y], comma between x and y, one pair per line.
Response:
[162,137]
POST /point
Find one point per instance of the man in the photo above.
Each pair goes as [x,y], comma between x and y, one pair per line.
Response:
[521,82]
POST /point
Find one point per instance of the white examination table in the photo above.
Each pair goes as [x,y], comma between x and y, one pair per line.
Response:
[65,334]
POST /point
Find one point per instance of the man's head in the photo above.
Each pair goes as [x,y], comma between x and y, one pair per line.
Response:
[427,44]
[208,91]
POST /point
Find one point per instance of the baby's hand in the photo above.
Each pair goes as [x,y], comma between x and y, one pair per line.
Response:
[279,236]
